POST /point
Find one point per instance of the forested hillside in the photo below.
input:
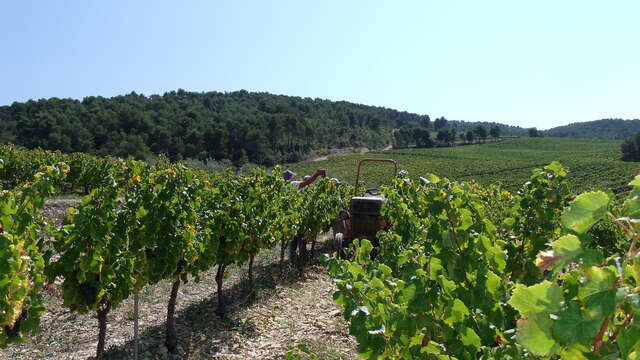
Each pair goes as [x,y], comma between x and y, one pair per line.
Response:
[240,126]
[598,129]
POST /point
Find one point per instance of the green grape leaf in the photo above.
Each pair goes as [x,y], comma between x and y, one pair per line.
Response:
[572,326]
[466,219]
[433,178]
[448,286]
[534,333]
[555,167]
[459,312]
[598,293]
[591,257]
[632,204]
[567,248]
[542,298]
[634,301]
[496,256]
[585,211]
[470,338]
[633,270]
[572,353]
[493,282]
[629,340]
[435,268]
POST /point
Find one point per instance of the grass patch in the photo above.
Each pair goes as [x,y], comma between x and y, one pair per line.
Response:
[592,163]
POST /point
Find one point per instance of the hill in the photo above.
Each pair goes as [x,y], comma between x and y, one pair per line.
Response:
[509,162]
[239,126]
[598,129]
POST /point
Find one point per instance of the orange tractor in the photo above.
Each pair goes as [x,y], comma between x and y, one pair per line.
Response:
[363,220]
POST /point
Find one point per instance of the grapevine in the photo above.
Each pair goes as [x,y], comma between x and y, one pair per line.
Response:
[22,263]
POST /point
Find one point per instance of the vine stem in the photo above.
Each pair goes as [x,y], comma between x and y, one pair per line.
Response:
[102,333]
[136,339]
[622,225]
[219,278]
[634,235]
[283,246]
[597,342]
[171,338]
[633,245]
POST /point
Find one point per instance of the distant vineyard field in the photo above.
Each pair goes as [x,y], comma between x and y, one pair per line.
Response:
[592,164]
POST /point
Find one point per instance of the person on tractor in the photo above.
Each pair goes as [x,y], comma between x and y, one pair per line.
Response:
[290,177]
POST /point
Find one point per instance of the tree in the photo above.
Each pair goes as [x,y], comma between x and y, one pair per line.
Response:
[480,132]
[533,132]
[470,136]
[409,136]
[447,137]
[440,123]
[452,137]
[425,121]
[495,132]
[631,148]
[422,137]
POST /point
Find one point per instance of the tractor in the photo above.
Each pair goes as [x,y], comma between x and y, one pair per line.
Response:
[363,220]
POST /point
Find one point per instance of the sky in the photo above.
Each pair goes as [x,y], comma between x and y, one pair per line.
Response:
[527,63]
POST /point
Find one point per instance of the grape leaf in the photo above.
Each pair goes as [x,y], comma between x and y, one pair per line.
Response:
[470,338]
[458,312]
[629,340]
[534,333]
[542,298]
[567,248]
[632,204]
[573,326]
[585,211]
[599,293]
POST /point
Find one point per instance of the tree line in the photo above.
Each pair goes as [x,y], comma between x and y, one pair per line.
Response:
[446,135]
[237,127]
[598,129]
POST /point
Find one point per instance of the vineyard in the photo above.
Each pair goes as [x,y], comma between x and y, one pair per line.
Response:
[471,273]
[466,271]
[592,164]
[139,225]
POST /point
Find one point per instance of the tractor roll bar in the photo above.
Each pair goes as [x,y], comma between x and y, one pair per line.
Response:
[395,170]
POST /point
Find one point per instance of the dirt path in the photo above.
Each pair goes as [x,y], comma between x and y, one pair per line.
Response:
[283,312]
[339,152]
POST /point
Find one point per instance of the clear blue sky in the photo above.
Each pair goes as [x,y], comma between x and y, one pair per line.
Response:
[528,63]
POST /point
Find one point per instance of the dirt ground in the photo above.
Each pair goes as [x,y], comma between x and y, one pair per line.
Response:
[263,321]
[337,152]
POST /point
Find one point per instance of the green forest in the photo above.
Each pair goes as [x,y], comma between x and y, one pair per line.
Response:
[242,127]
[618,129]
